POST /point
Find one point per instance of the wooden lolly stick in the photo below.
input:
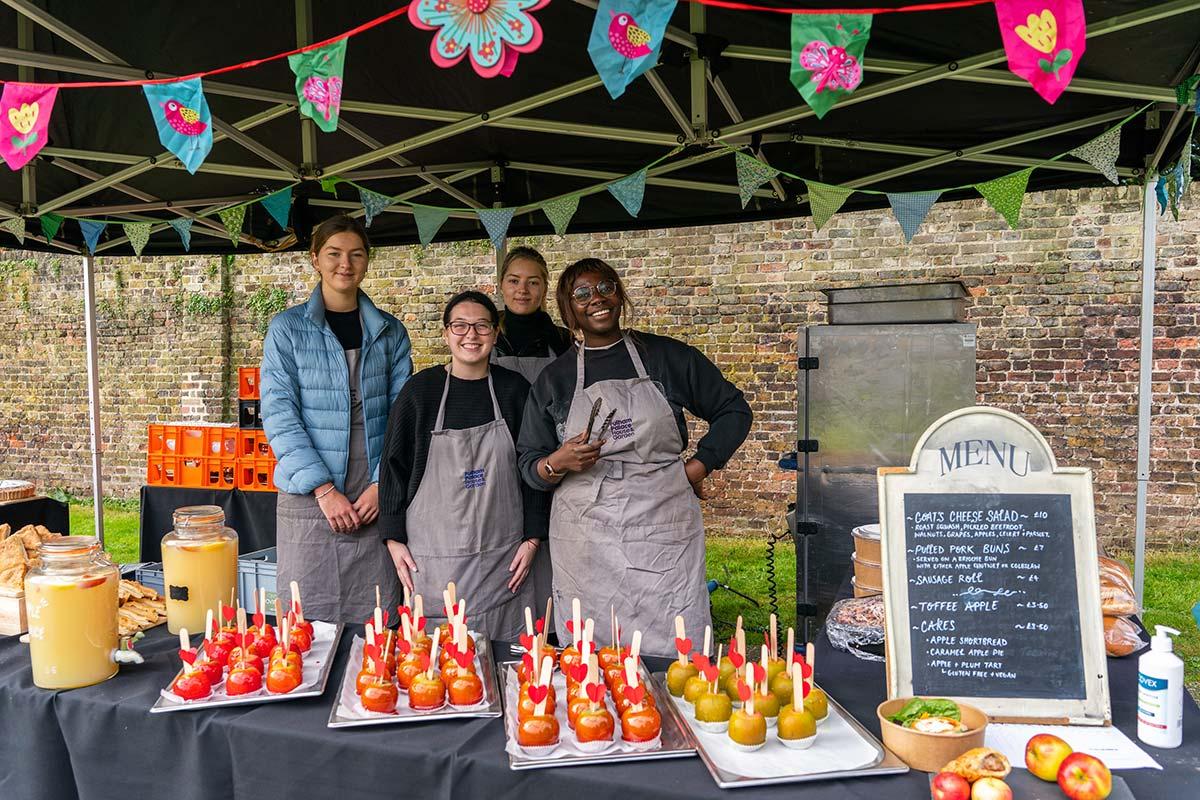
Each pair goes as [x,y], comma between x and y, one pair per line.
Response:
[453,592]
[529,629]
[449,604]
[418,611]
[184,642]
[636,648]
[535,652]
[576,632]
[791,648]
[285,632]
[295,587]
[708,640]
[378,610]
[718,680]
[764,658]
[798,686]
[741,643]
[208,622]
[278,610]
[369,634]
[589,629]
[738,629]
[407,598]
[433,653]
[612,621]
[387,647]
[406,625]
[617,634]
[547,666]
[679,634]
[549,622]
[810,655]
[462,611]
[631,676]
[593,676]
[750,683]
[774,637]
[585,654]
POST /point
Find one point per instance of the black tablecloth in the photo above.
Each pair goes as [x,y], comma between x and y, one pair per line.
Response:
[251,514]
[36,511]
[100,742]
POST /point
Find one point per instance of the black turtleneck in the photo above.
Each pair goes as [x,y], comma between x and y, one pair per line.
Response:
[531,335]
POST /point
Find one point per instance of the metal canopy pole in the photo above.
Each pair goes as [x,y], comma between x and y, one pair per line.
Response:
[308,128]
[93,373]
[1145,373]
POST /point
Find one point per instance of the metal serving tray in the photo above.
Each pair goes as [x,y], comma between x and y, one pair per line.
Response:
[338,718]
[163,704]
[675,740]
[886,763]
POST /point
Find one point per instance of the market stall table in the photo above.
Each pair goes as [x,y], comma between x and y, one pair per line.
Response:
[54,514]
[251,514]
[100,742]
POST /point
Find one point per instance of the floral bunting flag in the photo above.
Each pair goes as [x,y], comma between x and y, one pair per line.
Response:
[278,205]
[232,219]
[24,119]
[183,226]
[50,224]
[15,226]
[1160,194]
[91,229]
[627,37]
[911,208]
[495,222]
[319,83]
[493,32]
[751,174]
[825,200]
[629,191]
[827,56]
[138,234]
[1006,194]
[373,203]
[1102,153]
[429,221]
[561,211]
[183,120]
[1044,40]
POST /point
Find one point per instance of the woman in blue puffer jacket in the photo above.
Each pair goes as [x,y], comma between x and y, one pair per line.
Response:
[331,370]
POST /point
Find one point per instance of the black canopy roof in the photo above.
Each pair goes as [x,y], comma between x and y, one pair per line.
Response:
[937,108]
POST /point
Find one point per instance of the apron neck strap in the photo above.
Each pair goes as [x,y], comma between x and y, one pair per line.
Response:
[638,367]
[441,415]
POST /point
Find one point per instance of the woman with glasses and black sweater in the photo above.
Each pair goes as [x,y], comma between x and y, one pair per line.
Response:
[452,503]
[604,430]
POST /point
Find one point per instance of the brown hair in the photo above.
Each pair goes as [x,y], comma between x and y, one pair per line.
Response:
[335,225]
[529,254]
[566,281]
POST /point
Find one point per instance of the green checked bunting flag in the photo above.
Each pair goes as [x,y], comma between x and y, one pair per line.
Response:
[751,174]
[629,192]
[1102,153]
[329,185]
[15,226]
[495,222]
[319,83]
[278,204]
[373,204]
[561,211]
[138,234]
[911,208]
[183,227]
[232,219]
[91,230]
[1006,194]
[50,225]
[429,221]
[825,200]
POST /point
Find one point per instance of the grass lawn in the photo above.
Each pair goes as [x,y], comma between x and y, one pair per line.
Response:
[1172,582]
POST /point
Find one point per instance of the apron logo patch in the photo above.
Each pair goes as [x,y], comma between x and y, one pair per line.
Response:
[474,479]
[622,428]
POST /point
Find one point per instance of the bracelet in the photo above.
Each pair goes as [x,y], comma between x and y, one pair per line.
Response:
[550,470]
[327,491]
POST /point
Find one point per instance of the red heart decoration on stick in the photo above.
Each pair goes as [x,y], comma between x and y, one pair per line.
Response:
[420,624]
[215,628]
[634,694]
[465,658]
[210,648]
[806,690]
[260,619]
[403,611]
[683,645]
[737,659]
[570,626]
[743,691]
[526,642]
[806,669]
[595,692]
[540,625]
[451,648]
[711,673]
[403,646]
[701,662]
[371,651]
[527,662]
[385,617]
[188,656]
[538,693]
[578,672]
[759,673]
[228,612]
[423,660]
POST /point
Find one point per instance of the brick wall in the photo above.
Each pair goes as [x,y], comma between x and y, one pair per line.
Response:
[1056,303]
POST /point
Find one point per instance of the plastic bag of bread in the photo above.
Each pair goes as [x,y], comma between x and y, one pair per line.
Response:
[856,623]
[1122,637]
[1117,598]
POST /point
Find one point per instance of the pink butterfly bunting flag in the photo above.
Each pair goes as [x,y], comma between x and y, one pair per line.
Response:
[827,56]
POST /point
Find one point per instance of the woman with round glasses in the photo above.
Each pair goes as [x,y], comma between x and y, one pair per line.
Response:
[606,432]
[453,506]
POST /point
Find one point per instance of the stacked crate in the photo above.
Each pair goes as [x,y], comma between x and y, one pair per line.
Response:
[256,461]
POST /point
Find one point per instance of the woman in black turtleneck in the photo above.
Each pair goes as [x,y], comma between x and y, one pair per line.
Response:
[529,340]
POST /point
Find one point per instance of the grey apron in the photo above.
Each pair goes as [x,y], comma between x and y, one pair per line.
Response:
[465,523]
[337,572]
[629,532]
[540,575]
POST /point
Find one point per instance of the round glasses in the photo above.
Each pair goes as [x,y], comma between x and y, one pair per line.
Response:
[460,328]
[582,294]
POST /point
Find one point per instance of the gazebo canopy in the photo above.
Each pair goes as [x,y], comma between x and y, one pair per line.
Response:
[937,109]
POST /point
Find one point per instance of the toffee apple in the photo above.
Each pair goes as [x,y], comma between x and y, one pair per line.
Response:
[281,679]
[817,704]
[748,728]
[426,692]
[539,730]
[694,688]
[465,689]
[594,724]
[641,724]
[381,697]
[193,684]
[796,728]
[714,708]
[243,679]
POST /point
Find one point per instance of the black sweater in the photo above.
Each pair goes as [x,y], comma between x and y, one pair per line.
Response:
[410,428]
[683,374]
[531,335]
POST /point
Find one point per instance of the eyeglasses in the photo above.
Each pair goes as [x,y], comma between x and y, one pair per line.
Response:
[460,328]
[582,294]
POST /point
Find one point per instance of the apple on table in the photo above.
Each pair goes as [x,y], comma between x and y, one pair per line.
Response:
[1084,777]
[1044,754]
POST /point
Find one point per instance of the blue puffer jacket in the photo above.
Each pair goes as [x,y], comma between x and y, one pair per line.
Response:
[306,392]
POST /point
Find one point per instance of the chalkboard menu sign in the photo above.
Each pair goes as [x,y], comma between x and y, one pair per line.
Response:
[990,576]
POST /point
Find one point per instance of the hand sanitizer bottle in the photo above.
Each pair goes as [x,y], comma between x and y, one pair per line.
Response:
[1160,692]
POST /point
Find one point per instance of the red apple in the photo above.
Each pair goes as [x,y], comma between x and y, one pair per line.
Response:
[1084,777]
[990,789]
[1044,754]
[192,685]
[950,786]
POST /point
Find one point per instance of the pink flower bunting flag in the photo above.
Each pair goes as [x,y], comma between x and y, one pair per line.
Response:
[493,32]
[24,117]
[1044,40]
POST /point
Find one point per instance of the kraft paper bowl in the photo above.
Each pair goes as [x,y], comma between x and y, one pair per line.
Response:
[929,752]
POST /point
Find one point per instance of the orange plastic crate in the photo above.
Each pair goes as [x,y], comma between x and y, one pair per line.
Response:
[262,448]
[256,474]
[162,470]
[220,441]
[247,442]
[248,387]
[220,473]
[192,440]
[191,471]
[163,440]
